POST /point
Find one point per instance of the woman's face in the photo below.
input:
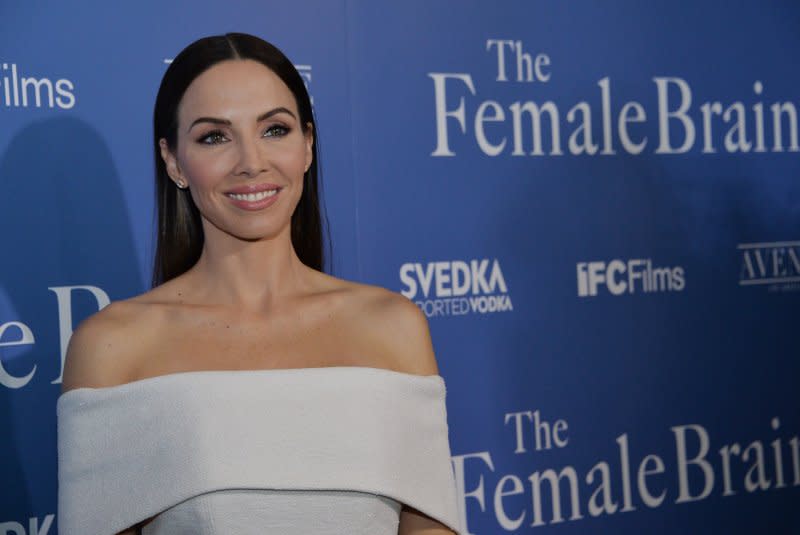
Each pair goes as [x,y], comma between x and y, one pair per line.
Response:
[241,150]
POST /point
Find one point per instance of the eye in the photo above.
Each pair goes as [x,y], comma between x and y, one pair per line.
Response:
[276,130]
[214,137]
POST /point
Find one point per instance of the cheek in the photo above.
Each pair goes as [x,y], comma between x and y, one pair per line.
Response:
[204,169]
[199,163]
[292,165]
[288,161]
[207,168]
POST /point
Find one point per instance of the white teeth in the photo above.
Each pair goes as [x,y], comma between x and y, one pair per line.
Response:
[251,197]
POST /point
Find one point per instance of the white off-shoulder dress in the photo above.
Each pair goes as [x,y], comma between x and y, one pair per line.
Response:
[312,451]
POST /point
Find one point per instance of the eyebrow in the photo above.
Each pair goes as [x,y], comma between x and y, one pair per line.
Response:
[262,117]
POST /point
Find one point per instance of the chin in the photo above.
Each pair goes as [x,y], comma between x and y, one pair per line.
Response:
[252,229]
[257,235]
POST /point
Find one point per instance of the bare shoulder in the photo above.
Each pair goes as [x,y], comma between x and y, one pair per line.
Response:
[102,348]
[393,328]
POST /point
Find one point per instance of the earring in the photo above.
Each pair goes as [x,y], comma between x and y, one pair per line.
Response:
[180,184]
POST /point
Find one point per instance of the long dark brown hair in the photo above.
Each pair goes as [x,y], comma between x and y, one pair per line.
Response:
[180,232]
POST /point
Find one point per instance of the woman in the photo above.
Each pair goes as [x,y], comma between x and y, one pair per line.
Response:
[249,392]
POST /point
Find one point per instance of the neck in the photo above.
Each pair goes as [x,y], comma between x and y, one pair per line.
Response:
[251,275]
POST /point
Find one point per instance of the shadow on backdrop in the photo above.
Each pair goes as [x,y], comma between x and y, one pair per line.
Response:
[64,223]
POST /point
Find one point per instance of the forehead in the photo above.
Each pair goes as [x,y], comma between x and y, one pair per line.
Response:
[234,88]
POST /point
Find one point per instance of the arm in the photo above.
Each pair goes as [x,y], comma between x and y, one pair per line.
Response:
[406,343]
[95,359]
[95,354]
[137,528]
[412,522]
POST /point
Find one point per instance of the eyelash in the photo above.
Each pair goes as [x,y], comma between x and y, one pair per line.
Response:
[283,130]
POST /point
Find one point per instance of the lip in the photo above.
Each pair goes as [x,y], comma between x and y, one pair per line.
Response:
[254,188]
[255,205]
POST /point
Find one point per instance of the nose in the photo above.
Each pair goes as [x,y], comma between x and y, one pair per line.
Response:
[251,161]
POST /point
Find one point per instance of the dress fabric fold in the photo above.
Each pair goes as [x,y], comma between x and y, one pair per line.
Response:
[255,451]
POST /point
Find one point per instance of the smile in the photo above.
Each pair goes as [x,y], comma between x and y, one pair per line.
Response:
[253,197]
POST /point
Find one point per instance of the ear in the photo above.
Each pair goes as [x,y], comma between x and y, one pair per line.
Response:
[171,163]
[309,138]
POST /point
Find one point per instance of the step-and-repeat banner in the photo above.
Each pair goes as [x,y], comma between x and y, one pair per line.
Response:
[596,205]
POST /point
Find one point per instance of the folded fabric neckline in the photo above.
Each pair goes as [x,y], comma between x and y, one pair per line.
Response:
[188,374]
[130,451]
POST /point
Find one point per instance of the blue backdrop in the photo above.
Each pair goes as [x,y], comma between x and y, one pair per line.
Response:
[597,206]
